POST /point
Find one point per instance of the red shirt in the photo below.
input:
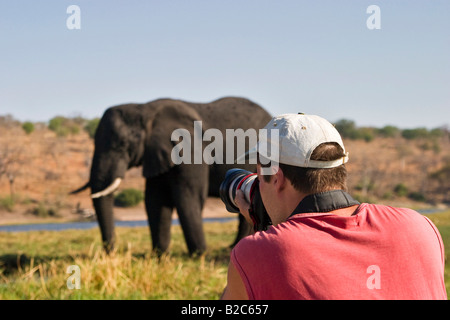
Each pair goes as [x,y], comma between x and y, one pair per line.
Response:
[379,253]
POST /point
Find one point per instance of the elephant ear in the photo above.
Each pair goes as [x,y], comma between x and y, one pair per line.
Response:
[158,144]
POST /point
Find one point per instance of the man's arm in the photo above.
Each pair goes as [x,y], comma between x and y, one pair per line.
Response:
[243,205]
[235,289]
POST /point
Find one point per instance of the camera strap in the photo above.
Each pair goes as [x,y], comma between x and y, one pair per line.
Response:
[325,202]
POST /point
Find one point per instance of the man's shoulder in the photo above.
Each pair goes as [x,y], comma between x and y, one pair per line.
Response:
[388,210]
[383,207]
[395,218]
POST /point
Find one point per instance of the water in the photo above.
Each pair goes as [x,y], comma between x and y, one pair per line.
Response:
[138,223]
[90,225]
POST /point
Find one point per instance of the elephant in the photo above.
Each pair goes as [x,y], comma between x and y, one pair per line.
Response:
[133,135]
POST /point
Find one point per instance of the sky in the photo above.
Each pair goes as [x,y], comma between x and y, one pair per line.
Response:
[316,57]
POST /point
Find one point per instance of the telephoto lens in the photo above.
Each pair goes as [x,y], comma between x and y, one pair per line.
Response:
[240,179]
[236,179]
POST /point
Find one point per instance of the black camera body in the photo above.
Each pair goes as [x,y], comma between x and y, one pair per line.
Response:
[248,182]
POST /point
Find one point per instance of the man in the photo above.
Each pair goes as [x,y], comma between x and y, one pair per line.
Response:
[323,244]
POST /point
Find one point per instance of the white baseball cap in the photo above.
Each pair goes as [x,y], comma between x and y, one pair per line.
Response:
[292,139]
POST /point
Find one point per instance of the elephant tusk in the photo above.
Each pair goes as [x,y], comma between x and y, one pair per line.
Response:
[110,189]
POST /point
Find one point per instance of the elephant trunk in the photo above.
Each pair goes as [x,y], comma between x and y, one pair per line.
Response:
[105,179]
[103,204]
[105,217]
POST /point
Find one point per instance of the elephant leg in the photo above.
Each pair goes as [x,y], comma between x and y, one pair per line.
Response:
[192,224]
[159,212]
[189,193]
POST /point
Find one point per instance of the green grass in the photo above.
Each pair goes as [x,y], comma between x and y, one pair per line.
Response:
[442,222]
[33,264]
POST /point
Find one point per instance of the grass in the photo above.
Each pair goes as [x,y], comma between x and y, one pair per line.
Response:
[33,264]
[442,222]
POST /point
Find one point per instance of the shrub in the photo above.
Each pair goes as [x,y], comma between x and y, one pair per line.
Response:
[417,133]
[28,127]
[91,127]
[417,196]
[401,190]
[7,203]
[43,211]
[128,198]
[388,131]
[346,128]
[367,134]
[63,126]
[442,175]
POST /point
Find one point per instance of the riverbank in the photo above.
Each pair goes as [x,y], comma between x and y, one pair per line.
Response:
[214,208]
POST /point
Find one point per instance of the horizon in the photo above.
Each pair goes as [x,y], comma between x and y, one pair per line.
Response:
[357,126]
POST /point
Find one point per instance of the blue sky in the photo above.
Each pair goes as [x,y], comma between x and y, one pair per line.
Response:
[316,57]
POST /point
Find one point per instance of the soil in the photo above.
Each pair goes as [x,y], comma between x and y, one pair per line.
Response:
[214,208]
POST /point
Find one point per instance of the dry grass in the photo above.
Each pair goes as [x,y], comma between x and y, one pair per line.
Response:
[38,271]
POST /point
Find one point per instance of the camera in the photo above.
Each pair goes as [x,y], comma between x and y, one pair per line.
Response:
[248,182]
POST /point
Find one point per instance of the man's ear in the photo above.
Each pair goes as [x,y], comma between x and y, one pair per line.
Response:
[280,180]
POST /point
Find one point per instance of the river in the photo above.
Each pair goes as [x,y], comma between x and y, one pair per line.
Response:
[94,224]
[90,225]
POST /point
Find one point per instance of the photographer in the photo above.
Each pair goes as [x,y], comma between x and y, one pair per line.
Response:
[323,244]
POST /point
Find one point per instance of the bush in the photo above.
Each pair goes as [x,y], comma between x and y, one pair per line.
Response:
[91,127]
[44,211]
[28,127]
[7,203]
[417,133]
[63,126]
[401,190]
[365,133]
[388,131]
[346,128]
[128,198]
[417,196]
[442,175]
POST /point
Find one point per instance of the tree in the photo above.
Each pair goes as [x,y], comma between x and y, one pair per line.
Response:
[10,161]
[417,133]
[63,126]
[389,131]
[346,128]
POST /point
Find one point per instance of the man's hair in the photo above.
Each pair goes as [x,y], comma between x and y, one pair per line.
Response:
[312,180]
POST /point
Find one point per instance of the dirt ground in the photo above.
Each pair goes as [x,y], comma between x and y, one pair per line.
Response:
[214,208]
